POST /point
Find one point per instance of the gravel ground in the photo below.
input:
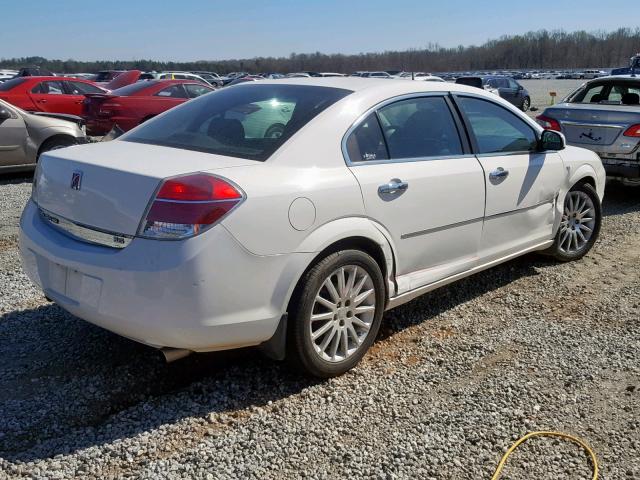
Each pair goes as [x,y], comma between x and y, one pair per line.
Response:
[453,380]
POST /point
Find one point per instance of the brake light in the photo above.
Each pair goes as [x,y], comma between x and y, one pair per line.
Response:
[548,123]
[632,131]
[109,108]
[188,205]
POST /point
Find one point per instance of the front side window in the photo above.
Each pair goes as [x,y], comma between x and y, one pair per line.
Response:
[49,88]
[366,143]
[496,129]
[248,121]
[174,91]
[420,127]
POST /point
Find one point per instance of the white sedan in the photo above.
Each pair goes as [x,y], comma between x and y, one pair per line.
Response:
[197,232]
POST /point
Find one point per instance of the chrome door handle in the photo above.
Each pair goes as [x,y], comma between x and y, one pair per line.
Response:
[394,186]
[499,173]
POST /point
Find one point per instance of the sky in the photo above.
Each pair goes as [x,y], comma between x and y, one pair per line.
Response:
[186,30]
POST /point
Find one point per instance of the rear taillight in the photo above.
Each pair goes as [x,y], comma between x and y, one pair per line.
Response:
[109,108]
[632,131]
[188,205]
[548,123]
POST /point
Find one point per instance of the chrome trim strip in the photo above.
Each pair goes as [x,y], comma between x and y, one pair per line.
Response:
[473,220]
[590,125]
[438,229]
[413,159]
[84,233]
[413,294]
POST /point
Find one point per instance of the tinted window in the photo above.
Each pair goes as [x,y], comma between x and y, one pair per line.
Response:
[496,129]
[9,84]
[513,84]
[79,88]
[174,91]
[50,88]
[249,121]
[366,143]
[194,90]
[420,127]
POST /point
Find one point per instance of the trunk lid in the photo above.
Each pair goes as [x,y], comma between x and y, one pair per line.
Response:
[118,179]
[594,125]
[92,105]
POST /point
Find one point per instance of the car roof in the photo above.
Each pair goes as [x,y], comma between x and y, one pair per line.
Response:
[617,77]
[379,86]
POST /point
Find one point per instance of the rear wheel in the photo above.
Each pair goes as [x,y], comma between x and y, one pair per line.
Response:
[526,104]
[580,224]
[337,313]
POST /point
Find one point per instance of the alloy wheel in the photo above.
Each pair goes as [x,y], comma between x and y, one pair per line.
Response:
[343,313]
[578,222]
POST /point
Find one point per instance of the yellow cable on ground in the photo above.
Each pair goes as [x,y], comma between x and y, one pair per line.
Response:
[503,460]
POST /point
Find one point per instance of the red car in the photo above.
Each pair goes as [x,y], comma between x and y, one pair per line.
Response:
[48,94]
[129,106]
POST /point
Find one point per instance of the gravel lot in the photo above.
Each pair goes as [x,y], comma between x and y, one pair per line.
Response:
[455,378]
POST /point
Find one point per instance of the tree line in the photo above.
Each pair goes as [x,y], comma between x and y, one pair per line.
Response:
[534,50]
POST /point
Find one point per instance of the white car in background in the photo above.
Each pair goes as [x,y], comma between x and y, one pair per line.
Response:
[198,232]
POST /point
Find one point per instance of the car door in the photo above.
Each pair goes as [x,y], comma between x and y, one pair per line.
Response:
[52,96]
[522,183]
[422,185]
[13,138]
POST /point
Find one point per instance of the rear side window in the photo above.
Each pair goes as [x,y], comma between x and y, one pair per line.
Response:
[496,129]
[134,88]
[49,88]
[79,88]
[9,84]
[174,91]
[366,143]
[247,121]
[194,90]
[420,127]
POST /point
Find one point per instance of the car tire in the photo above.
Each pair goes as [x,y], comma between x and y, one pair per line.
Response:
[56,143]
[345,325]
[579,226]
[526,104]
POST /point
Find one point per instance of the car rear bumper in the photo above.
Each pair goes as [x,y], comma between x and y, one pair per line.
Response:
[102,126]
[202,294]
[621,169]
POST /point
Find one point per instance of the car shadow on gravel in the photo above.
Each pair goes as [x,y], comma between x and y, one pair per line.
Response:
[66,385]
[620,198]
[21,177]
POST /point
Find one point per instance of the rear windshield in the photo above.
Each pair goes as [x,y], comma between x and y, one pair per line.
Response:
[245,121]
[9,84]
[608,93]
[133,88]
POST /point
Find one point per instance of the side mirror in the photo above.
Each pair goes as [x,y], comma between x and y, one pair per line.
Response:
[551,140]
[4,114]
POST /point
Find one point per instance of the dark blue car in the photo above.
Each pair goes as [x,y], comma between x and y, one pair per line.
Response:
[504,86]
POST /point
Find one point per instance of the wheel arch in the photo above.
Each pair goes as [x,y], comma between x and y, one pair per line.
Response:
[54,138]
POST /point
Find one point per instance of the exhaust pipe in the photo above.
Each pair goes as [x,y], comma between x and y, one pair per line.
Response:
[173,354]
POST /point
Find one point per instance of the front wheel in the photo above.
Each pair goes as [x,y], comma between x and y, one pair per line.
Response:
[337,314]
[580,224]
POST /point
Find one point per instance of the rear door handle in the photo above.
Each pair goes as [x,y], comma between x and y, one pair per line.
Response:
[42,100]
[393,187]
[499,173]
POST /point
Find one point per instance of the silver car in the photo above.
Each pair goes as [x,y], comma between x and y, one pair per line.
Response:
[602,115]
[25,136]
